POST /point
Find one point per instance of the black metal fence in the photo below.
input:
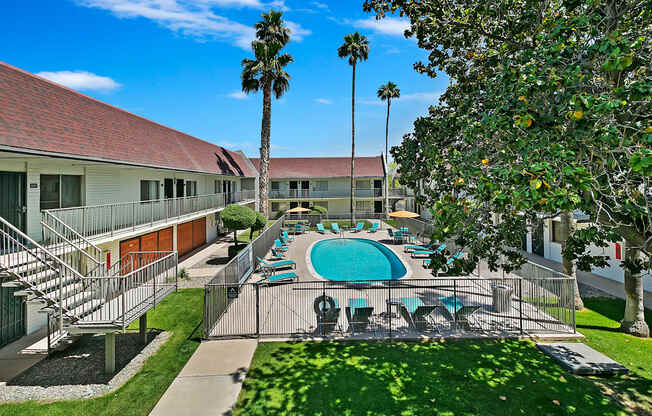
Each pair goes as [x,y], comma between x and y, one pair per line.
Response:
[236,272]
[404,308]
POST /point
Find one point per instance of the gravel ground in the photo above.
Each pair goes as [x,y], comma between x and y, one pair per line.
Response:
[78,372]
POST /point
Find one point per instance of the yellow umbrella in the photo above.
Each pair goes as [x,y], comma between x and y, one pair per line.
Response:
[403,214]
[297,209]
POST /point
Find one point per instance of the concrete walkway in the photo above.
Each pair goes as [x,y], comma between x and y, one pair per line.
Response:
[210,382]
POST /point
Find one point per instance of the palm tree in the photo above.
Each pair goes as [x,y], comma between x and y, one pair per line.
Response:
[266,72]
[356,48]
[386,92]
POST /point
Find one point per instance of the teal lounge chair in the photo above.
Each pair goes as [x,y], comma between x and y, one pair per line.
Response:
[278,254]
[287,237]
[358,227]
[280,278]
[284,241]
[321,229]
[449,262]
[463,315]
[374,227]
[428,247]
[358,314]
[418,312]
[335,227]
[279,246]
[266,265]
[399,237]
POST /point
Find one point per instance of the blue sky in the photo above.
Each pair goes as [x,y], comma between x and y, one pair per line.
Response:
[177,62]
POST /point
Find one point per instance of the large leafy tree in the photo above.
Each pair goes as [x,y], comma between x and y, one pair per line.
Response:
[386,92]
[549,112]
[267,73]
[356,49]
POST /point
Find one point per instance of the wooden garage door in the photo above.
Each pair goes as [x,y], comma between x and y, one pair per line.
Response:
[126,247]
[165,240]
[184,238]
[198,232]
[148,242]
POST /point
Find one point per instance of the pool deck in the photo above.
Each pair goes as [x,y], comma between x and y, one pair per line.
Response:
[286,311]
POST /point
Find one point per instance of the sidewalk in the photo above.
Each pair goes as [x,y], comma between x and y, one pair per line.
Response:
[210,382]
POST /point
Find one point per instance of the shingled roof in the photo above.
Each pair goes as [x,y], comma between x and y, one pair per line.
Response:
[39,116]
[323,167]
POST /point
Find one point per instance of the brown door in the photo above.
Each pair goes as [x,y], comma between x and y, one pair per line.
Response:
[198,232]
[148,242]
[126,247]
[184,238]
[165,240]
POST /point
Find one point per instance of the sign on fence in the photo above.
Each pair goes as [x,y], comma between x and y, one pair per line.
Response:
[232,292]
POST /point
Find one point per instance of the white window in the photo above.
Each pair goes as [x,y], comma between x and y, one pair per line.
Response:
[191,188]
[363,184]
[321,186]
[363,206]
[60,191]
[149,190]
[218,186]
[276,186]
[276,207]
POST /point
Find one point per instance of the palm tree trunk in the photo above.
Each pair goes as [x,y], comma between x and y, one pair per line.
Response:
[389,101]
[634,320]
[353,148]
[567,265]
[263,184]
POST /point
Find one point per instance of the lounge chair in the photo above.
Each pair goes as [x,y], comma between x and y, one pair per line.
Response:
[405,230]
[321,229]
[276,254]
[279,246]
[335,227]
[448,264]
[399,237]
[374,227]
[358,314]
[287,237]
[327,321]
[284,241]
[390,232]
[419,312]
[461,314]
[428,247]
[419,254]
[358,227]
[275,265]
[280,278]
[299,228]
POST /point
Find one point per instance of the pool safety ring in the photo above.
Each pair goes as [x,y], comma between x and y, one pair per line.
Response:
[324,305]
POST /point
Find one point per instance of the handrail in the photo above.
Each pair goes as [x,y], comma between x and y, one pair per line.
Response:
[46,215]
[93,259]
[159,260]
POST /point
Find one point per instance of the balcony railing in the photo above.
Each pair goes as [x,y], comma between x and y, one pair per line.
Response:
[400,192]
[310,194]
[96,221]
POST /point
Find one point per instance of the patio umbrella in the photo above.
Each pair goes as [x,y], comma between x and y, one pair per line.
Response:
[403,214]
[298,210]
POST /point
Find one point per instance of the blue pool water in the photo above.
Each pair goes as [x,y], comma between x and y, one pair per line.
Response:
[354,259]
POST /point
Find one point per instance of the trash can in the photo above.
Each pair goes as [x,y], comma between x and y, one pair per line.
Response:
[502,297]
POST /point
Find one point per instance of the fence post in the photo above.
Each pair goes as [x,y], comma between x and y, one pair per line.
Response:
[112,226]
[520,304]
[389,307]
[257,309]
[572,303]
[133,215]
[455,300]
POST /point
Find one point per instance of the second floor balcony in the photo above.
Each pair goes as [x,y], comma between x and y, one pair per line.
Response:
[313,194]
[107,220]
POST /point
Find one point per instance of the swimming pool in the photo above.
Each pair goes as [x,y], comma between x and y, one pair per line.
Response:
[355,259]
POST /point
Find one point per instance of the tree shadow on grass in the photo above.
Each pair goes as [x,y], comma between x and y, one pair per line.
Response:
[413,378]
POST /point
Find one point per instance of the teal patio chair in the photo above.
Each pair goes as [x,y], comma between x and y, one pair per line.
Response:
[359,314]
[272,278]
[335,227]
[448,264]
[374,227]
[462,315]
[419,313]
[321,229]
[287,237]
[359,227]
[428,247]
[275,265]
[279,246]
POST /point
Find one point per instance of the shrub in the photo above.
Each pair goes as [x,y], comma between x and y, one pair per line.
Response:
[238,217]
[258,224]
[319,209]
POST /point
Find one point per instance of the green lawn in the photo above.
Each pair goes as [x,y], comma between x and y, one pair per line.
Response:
[180,313]
[465,377]
[392,223]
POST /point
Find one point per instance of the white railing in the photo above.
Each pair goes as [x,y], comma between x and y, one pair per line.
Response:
[101,220]
[400,192]
[340,193]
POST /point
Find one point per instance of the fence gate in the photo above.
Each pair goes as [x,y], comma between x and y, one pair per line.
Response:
[12,316]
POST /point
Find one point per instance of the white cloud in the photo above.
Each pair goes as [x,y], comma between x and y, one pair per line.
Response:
[323,101]
[238,95]
[81,80]
[320,5]
[388,26]
[195,18]
[296,31]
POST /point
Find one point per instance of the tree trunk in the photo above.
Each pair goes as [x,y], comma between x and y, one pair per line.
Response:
[263,183]
[568,266]
[389,101]
[235,237]
[634,320]
[353,148]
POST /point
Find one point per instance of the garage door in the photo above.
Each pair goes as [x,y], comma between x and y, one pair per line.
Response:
[198,232]
[165,240]
[184,238]
[126,247]
[148,242]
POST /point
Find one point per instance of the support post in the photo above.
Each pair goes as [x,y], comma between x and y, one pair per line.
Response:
[520,304]
[257,310]
[109,353]
[142,328]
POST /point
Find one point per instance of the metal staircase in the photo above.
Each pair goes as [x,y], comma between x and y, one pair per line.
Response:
[66,276]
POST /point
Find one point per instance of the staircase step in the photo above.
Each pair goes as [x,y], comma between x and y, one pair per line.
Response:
[52,285]
[87,308]
[77,299]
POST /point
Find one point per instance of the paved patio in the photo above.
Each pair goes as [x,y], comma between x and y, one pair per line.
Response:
[287,310]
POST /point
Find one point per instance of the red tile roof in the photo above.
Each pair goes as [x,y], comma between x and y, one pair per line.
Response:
[322,167]
[44,117]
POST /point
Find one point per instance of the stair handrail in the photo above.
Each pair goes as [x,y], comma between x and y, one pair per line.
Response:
[74,272]
[47,215]
[99,266]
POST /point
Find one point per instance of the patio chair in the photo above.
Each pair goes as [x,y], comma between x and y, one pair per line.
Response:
[266,265]
[299,229]
[284,240]
[419,313]
[279,246]
[358,314]
[399,237]
[358,227]
[328,311]
[390,232]
[321,229]
[428,247]
[446,266]
[272,278]
[461,314]
[287,237]
[335,227]
[276,254]
[374,227]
